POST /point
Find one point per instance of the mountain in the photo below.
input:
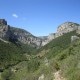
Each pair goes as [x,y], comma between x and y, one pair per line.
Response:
[57,56]
[62,29]
[18,35]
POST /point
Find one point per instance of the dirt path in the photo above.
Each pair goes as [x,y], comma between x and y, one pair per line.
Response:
[57,76]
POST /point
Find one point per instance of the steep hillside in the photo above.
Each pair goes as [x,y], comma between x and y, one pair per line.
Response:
[11,54]
[63,55]
[57,45]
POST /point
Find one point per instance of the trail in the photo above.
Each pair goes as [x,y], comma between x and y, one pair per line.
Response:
[57,76]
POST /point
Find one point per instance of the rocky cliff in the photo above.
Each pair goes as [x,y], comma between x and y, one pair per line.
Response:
[67,27]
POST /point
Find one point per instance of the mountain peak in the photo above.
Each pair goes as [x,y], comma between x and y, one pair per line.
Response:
[3,22]
[67,27]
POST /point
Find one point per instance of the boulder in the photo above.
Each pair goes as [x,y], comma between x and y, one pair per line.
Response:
[73,38]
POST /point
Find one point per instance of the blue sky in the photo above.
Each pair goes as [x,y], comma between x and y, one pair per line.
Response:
[40,17]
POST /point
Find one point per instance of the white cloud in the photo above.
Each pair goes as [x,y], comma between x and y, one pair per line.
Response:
[15,15]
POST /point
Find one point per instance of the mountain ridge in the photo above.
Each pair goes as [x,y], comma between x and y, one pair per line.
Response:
[60,55]
[16,34]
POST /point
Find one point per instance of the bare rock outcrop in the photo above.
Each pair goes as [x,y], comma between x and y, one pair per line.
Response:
[67,27]
[73,38]
[3,22]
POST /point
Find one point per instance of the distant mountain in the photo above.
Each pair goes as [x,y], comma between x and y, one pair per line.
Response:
[18,35]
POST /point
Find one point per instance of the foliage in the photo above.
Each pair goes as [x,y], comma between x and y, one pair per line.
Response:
[61,54]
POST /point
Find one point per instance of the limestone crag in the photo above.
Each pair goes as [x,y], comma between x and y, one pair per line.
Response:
[67,27]
[3,22]
[25,37]
[4,31]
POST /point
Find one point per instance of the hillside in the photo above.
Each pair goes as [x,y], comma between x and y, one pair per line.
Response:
[63,55]
[11,54]
[57,45]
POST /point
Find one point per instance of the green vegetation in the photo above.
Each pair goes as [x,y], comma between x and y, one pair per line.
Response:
[64,55]
[11,54]
[57,45]
[19,63]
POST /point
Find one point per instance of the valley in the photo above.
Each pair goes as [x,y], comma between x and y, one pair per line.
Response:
[24,56]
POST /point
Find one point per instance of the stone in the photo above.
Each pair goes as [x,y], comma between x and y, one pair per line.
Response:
[73,38]
[41,77]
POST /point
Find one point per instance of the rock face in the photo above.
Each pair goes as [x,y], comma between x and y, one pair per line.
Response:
[73,38]
[78,31]
[48,39]
[67,27]
[4,29]
[3,22]
[25,37]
